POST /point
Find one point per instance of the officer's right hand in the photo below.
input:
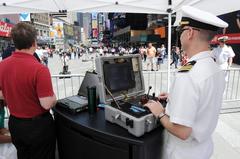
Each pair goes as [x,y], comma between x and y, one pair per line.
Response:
[155,107]
[163,96]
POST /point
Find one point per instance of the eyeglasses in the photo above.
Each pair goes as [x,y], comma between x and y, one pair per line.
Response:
[180,31]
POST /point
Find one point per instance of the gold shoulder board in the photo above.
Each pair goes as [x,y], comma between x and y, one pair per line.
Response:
[187,67]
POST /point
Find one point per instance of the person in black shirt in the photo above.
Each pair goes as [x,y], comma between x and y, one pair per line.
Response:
[8,51]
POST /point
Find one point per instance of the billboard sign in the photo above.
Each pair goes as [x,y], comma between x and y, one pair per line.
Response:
[94,24]
[94,33]
[94,16]
[24,17]
[57,30]
[5,29]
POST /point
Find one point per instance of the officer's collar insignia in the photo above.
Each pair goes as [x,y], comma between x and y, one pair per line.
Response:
[184,23]
[187,67]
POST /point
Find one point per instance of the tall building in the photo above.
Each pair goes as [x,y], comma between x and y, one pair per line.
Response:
[97,28]
[72,29]
[71,17]
[138,29]
[87,28]
[41,22]
[80,24]
[80,19]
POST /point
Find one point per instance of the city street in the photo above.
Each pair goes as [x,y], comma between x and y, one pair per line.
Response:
[227,134]
[186,53]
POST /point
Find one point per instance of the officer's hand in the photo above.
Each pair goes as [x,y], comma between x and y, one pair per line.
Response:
[163,96]
[155,107]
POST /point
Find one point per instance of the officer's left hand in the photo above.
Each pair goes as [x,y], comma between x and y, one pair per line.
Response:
[155,107]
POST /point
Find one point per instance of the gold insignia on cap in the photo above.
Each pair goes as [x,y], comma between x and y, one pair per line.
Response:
[184,22]
[187,67]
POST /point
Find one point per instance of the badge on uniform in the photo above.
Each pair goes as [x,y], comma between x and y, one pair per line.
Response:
[187,67]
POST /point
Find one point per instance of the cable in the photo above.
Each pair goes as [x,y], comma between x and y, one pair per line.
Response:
[112,96]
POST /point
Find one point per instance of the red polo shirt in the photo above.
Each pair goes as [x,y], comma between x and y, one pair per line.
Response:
[23,80]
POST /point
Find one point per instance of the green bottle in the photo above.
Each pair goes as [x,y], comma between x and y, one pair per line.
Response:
[2,115]
[92,100]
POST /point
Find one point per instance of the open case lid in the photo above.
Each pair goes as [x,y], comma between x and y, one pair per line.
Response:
[122,75]
[90,80]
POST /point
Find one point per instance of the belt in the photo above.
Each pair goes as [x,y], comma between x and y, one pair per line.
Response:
[33,118]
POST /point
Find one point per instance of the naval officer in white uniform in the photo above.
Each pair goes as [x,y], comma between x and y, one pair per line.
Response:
[195,97]
[223,54]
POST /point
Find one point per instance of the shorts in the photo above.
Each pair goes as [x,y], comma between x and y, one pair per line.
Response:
[150,60]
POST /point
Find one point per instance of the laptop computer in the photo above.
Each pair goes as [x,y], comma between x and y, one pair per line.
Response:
[79,102]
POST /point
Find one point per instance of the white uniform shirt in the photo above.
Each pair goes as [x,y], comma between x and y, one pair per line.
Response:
[222,55]
[194,101]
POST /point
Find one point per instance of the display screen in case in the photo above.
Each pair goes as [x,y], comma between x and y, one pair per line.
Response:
[121,75]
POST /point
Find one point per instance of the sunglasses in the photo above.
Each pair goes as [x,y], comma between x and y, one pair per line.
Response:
[181,30]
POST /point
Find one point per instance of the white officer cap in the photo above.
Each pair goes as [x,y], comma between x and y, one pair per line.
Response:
[201,19]
[223,38]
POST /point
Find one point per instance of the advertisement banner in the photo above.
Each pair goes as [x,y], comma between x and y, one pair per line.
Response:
[94,16]
[160,31]
[94,24]
[57,30]
[5,29]
[94,33]
[68,30]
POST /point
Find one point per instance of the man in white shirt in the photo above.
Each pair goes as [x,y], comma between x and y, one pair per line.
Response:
[223,54]
[65,62]
[100,51]
[90,50]
[39,52]
[163,51]
[195,99]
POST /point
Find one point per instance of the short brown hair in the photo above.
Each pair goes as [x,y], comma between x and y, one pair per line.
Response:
[23,35]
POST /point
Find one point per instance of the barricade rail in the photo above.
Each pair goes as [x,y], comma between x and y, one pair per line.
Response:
[68,85]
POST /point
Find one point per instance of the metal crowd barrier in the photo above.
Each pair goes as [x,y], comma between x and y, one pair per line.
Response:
[67,85]
[232,85]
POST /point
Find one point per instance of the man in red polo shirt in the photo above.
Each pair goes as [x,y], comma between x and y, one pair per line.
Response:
[26,86]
